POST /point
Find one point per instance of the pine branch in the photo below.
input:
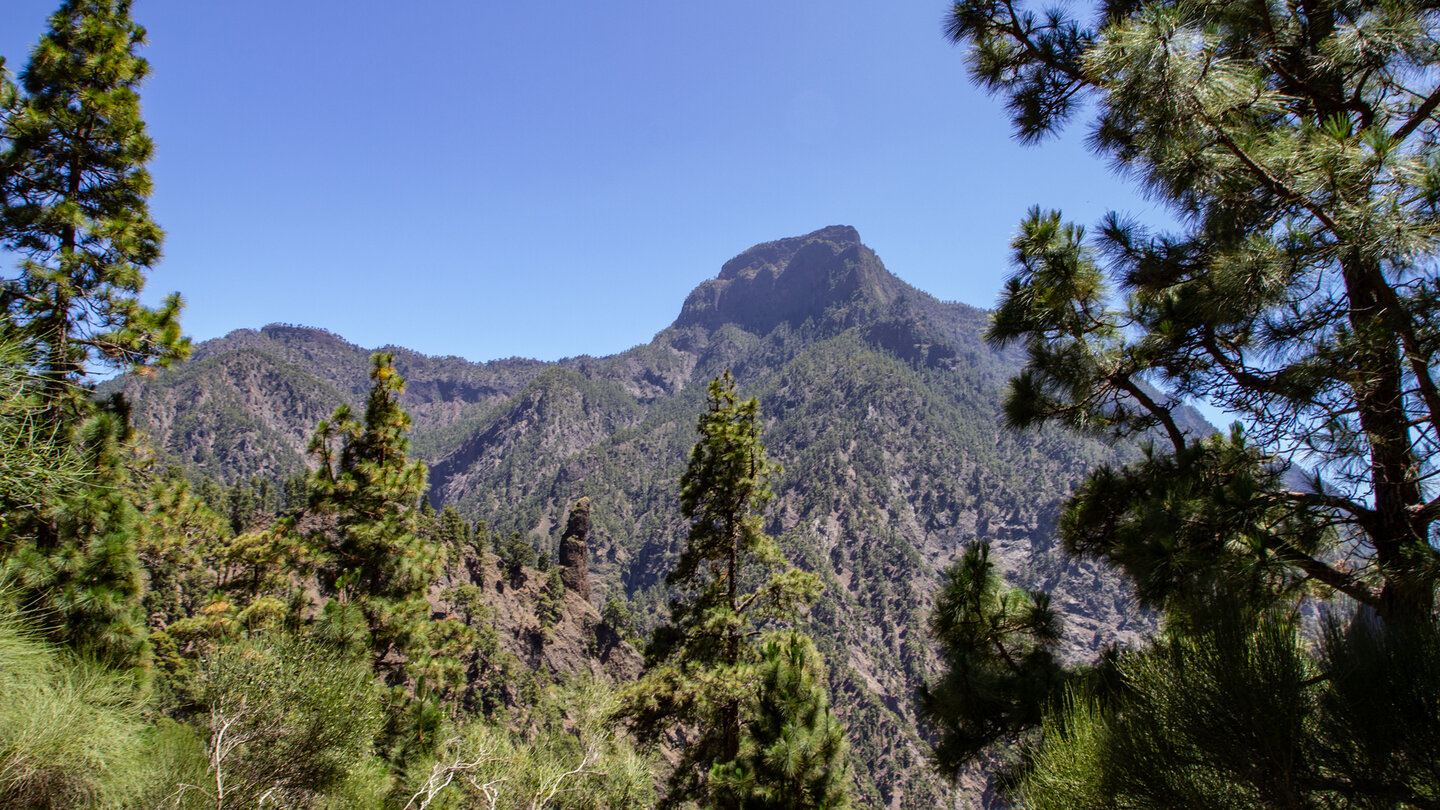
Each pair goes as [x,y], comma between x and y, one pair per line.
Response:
[1423,112]
[1320,572]
[1161,413]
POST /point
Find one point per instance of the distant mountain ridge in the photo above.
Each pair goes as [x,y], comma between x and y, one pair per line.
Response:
[881,402]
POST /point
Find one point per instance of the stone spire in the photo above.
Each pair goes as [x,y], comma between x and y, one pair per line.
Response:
[574,551]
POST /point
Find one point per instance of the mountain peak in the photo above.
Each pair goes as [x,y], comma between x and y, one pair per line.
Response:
[828,272]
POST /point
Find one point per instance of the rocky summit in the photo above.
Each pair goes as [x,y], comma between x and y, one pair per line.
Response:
[882,404]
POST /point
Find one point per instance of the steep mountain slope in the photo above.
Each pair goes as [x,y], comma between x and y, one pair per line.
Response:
[882,403]
[246,404]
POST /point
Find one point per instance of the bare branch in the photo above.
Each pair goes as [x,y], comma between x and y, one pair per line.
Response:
[441,775]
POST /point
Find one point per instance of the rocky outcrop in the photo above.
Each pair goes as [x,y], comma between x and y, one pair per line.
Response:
[575,551]
[825,276]
[553,637]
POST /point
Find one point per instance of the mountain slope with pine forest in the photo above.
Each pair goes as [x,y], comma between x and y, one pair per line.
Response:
[882,404]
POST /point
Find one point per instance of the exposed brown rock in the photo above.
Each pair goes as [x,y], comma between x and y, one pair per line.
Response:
[571,643]
[575,551]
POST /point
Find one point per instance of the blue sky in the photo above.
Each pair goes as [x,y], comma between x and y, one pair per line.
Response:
[490,178]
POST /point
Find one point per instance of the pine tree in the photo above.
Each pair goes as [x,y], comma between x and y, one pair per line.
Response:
[999,666]
[1239,712]
[295,493]
[73,561]
[36,464]
[1295,146]
[732,582]
[793,754]
[452,531]
[72,173]
[75,186]
[376,559]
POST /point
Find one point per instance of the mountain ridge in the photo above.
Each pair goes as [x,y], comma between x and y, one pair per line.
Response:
[881,402]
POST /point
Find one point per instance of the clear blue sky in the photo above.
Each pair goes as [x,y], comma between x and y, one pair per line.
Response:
[491,178]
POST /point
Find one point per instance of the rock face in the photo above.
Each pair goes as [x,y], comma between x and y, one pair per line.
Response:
[575,551]
[792,280]
[570,641]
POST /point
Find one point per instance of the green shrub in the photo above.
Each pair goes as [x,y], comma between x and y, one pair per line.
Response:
[69,732]
[288,721]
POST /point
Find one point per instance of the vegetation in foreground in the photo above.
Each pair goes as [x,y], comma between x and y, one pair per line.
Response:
[171,644]
[1295,146]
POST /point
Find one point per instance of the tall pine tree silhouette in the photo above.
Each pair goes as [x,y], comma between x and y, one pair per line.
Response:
[73,151]
[76,200]
[376,560]
[733,585]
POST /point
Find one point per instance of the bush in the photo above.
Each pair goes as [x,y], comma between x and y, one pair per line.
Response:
[570,759]
[69,732]
[288,720]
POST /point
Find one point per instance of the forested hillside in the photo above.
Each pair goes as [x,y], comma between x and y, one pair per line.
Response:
[881,404]
[825,542]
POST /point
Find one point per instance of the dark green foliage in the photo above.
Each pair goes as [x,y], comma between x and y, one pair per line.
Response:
[411,731]
[1286,142]
[73,561]
[997,646]
[468,599]
[438,665]
[1379,713]
[551,601]
[37,465]
[723,575]
[375,557]
[452,531]
[729,586]
[72,174]
[1214,719]
[180,534]
[1237,713]
[793,752]
[73,161]
[517,554]
[481,539]
[617,619]
[253,504]
[1200,525]
[296,493]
